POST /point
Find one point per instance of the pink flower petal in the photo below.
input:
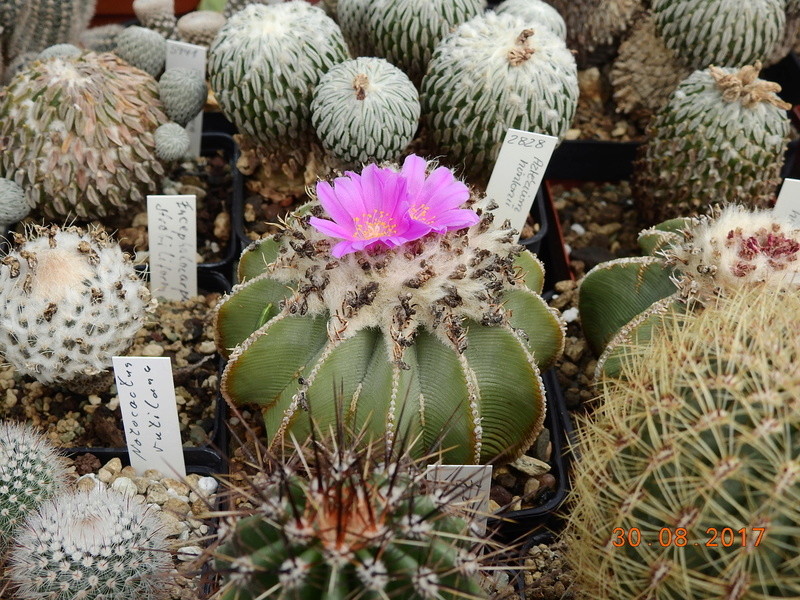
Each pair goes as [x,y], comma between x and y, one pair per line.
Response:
[454,219]
[330,228]
[330,201]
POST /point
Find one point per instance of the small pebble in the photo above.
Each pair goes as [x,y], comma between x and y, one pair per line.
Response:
[207,485]
[114,465]
[207,347]
[530,466]
[87,483]
[94,400]
[578,228]
[153,350]
[105,475]
[570,315]
[189,552]
[176,506]
[124,486]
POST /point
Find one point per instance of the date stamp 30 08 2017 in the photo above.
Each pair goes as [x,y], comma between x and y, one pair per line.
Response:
[725,537]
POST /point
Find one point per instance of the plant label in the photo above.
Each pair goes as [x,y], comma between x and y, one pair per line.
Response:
[518,173]
[466,490]
[787,207]
[149,413]
[172,230]
[189,56]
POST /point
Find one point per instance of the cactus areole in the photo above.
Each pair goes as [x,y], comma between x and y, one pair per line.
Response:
[398,292]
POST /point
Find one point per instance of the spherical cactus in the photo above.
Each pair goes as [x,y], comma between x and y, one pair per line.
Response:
[492,73]
[183,92]
[721,137]
[158,15]
[13,206]
[31,472]
[172,141]
[690,262]
[687,480]
[70,301]
[419,316]
[405,32]
[77,134]
[264,65]
[200,27]
[724,33]
[353,18]
[65,50]
[99,544]
[338,523]
[365,110]
[535,11]
[102,38]
[142,48]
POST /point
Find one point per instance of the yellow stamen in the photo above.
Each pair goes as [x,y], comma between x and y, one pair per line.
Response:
[377,223]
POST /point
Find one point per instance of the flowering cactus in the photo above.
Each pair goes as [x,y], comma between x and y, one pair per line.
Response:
[408,301]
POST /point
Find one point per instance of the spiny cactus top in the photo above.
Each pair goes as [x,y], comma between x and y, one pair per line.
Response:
[365,110]
[724,33]
[536,12]
[720,138]
[694,448]
[31,472]
[264,65]
[406,305]
[339,523]
[77,134]
[98,544]
[69,301]
[492,73]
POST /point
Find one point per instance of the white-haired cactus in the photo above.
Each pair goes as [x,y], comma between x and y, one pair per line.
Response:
[721,137]
[687,477]
[69,301]
[723,33]
[425,317]
[142,48]
[690,262]
[365,110]
[340,523]
[492,73]
[536,12]
[99,544]
[31,472]
[77,133]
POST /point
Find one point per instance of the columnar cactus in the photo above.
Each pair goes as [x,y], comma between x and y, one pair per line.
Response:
[689,261]
[724,33]
[31,472]
[69,301]
[420,317]
[337,523]
[721,136]
[535,11]
[365,110]
[98,544]
[687,481]
[530,73]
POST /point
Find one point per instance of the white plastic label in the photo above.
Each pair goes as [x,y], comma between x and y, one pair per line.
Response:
[172,231]
[189,56]
[787,207]
[467,489]
[518,173]
[149,413]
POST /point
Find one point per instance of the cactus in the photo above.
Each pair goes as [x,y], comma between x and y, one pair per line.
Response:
[340,523]
[353,18]
[721,136]
[99,544]
[158,15]
[365,110]
[31,472]
[532,78]
[70,300]
[441,335]
[723,33]
[264,65]
[183,94]
[689,261]
[13,206]
[200,27]
[100,109]
[102,38]
[695,442]
[142,48]
[535,11]
[172,141]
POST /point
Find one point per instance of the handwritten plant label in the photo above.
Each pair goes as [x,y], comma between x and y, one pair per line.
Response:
[172,230]
[787,207]
[518,173]
[467,489]
[189,56]
[149,413]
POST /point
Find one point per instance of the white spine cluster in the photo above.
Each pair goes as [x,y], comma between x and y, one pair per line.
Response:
[536,12]
[69,301]
[99,544]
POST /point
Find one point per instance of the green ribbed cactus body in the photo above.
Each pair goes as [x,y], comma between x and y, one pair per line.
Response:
[692,451]
[441,340]
[365,110]
[723,33]
[353,18]
[405,32]
[721,137]
[264,65]
[492,73]
[77,133]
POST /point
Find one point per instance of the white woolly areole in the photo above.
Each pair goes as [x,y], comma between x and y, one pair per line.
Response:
[535,12]
[737,248]
[69,301]
[108,546]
